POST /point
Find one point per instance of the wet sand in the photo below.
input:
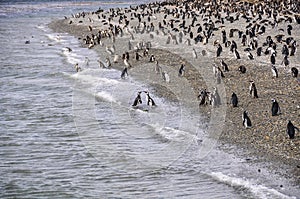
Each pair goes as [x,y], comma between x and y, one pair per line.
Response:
[267,140]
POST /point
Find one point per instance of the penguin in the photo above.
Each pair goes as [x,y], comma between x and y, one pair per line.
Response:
[246,120]
[274,71]
[150,101]
[181,70]
[219,50]
[234,100]
[165,76]
[294,72]
[116,58]
[202,97]
[249,55]
[152,58]
[225,66]
[291,130]
[253,90]
[289,29]
[237,54]
[285,61]
[108,63]
[258,51]
[272,58]
[138,99]
[217,98]
[124,72]
[242,69]
[194,54]
[77,68]
[275,108]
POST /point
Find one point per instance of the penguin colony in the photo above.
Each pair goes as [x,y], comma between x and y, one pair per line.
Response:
[203,23]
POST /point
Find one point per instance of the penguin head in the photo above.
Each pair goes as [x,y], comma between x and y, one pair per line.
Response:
[273,100]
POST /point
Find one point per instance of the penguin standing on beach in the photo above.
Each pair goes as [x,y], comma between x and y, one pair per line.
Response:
[242,69]
[274,71]
[137,100]
[236,54]
[194,54]
[275,108]
[294,72]
[253,90]
[273,59]
[291,130]
[219,50]
[150,101]
[202,97]
[224,65]
[234,100]
[181,70]
[246,120]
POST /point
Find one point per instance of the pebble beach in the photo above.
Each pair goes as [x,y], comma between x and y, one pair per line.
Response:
[158,28]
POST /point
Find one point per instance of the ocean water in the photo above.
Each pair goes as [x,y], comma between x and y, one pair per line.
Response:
[75,135]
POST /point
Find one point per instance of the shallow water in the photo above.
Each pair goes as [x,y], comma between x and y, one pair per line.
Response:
[75,135]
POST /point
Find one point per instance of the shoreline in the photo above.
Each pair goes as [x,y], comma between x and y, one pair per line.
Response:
[267,139]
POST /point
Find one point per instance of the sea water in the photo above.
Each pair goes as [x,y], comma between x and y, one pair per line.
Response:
[75,135]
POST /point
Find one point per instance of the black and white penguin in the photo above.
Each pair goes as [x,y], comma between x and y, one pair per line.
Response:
[124,72]
[291,130]
[181,70]
[165,76]
[219,50]
[294,72]
[253,90]
[202,97]
[236,54]
[152,58]
[249,55]
[194,54]
[150,101]
[246,120]
[275,108]
[77,68]
[234,100]
[259,51]
[274,71]
[289,29]
[273,59]
[285,61]
[138,99]
[242,69]
[224,65]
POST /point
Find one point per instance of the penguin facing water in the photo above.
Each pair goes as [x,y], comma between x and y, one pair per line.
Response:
[181,70]
[274,71]
[246,120]
[294,72]
[138,99]
[124,73]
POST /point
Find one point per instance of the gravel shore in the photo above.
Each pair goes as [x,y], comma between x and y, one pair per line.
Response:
[267,140]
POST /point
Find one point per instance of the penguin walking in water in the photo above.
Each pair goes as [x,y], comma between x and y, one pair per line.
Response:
[224,65]
[181,70]
[246,120]
[138,99]
[219,50]
[108,63]
[234,100]
[291,130]
[253,90]
[275,108]
[294,71]
[77,68]
[124,72]
[150,101]
[274,71]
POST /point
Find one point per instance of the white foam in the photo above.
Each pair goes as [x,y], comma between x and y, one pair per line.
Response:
[173,134]
[106,96]
[257,190]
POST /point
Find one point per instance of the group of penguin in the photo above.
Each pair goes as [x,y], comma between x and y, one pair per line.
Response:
[138,99]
